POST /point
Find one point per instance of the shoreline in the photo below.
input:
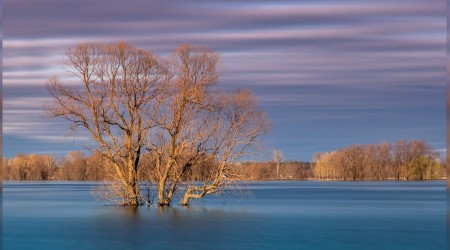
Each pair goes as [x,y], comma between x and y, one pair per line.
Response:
[267,180]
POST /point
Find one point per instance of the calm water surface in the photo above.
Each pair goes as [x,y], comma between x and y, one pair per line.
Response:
[276,215]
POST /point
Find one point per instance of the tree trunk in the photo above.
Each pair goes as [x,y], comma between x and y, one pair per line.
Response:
[132,185]
[278,170]
[186,199]
[189,195]
[161,193]
[136,192]
[133,194]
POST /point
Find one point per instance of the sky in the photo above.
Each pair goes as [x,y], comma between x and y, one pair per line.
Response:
[329,73]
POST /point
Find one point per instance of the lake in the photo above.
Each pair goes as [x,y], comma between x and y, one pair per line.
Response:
[274,215]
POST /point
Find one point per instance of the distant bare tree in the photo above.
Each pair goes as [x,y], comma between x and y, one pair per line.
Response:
[324,168]
[20,167]
[277,158]
[95,168]
[422,167]
[354,161]
[50,167]
[73,166]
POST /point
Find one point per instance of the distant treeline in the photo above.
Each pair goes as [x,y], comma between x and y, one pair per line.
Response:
[75,167]
[289,170]
[72,167]
[403,160]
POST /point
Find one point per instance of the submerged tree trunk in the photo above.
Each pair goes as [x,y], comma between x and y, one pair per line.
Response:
[136,192]
[194,193]
[133,195]
[161,193]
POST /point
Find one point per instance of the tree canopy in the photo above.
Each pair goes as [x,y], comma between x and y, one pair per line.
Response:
[132,102]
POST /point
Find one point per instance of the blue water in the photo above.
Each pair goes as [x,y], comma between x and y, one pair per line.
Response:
[275,215]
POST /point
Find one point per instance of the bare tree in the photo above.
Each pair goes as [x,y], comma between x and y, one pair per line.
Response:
[119,94]
[184,116]
[73,166]
[277,158]
[95,168]
[130,101]
[231,134]
[324,168]
[20,167]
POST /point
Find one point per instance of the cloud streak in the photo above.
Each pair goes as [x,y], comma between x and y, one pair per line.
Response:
[319,60]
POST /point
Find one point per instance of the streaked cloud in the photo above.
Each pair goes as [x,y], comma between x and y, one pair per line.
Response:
[347,71]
